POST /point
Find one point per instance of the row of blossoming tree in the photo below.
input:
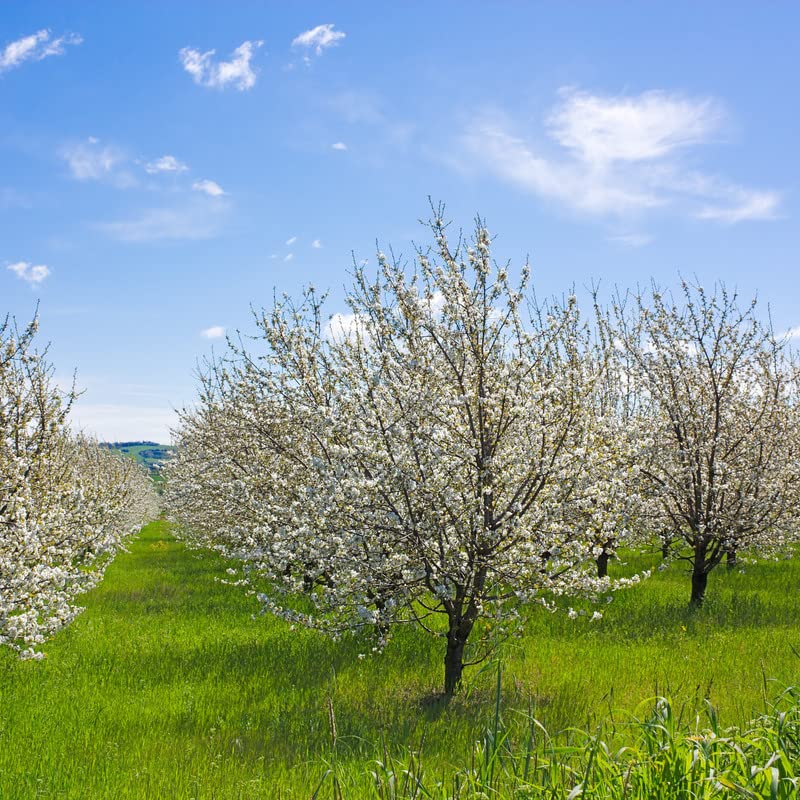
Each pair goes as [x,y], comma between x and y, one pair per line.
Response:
[66,504]
[452,452]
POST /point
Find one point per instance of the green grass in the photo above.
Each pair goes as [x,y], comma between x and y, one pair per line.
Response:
[168,688]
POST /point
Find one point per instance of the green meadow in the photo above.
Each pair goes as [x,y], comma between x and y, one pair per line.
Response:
[171,685]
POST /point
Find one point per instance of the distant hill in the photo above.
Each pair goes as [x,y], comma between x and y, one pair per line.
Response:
[150,454]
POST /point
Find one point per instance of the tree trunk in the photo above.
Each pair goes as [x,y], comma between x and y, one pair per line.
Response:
[462,612]
[730,557]
[665,543]
[699,579]
[453,662]
[602,564]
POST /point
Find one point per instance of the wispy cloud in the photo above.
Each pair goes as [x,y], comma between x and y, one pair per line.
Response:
[291,240]
[237,73]
[90,160]
[289,257]
[33,274]
[319,39]
[742,205]
[165,164]
[616,156]
[342,326]
[793,333]
[357,107]
[514,160]
[203,219]
[602,130]
[631,239]
[214,332]
[35,47]
[316,244]
[360,109]
[211,188]
[124,422]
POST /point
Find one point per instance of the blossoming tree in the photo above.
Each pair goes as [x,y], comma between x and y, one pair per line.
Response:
[66,505]
[719,388]
[610,503]
[408,462]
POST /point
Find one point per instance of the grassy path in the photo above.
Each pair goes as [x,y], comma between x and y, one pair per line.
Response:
[168,688]
[139,697]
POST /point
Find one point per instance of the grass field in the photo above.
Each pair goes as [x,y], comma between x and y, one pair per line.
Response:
[167,687]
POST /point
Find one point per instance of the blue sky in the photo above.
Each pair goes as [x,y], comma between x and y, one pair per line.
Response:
[163,166]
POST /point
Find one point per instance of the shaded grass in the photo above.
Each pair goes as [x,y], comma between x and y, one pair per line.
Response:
[168,687]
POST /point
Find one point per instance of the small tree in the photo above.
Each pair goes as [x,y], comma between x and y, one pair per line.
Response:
[408,462]
[718,388]
[611,504]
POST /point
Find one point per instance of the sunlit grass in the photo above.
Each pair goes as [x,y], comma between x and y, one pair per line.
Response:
[168,687]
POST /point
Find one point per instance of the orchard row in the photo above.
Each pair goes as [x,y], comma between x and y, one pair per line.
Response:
[449,454]
[452,453]
[66,504]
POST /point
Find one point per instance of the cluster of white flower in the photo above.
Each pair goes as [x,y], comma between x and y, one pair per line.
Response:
[66,504]
[458,450]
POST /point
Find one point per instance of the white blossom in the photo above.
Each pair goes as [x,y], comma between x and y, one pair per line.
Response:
[718,393]
[66,504]
[417,467]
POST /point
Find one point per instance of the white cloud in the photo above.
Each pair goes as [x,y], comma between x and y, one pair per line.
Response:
[343,326]
[90,161]
[435,303]
[165,164]
[289,257]
[339,146]
[214,332]
[319,38]
[515,161]
[33,274]
[316,244]
[617,156]
[291,240]
[793,333]
[745,205]
[124,423]
[237,72]
[211,188]
[35,47]
[602,130]
[203,219]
